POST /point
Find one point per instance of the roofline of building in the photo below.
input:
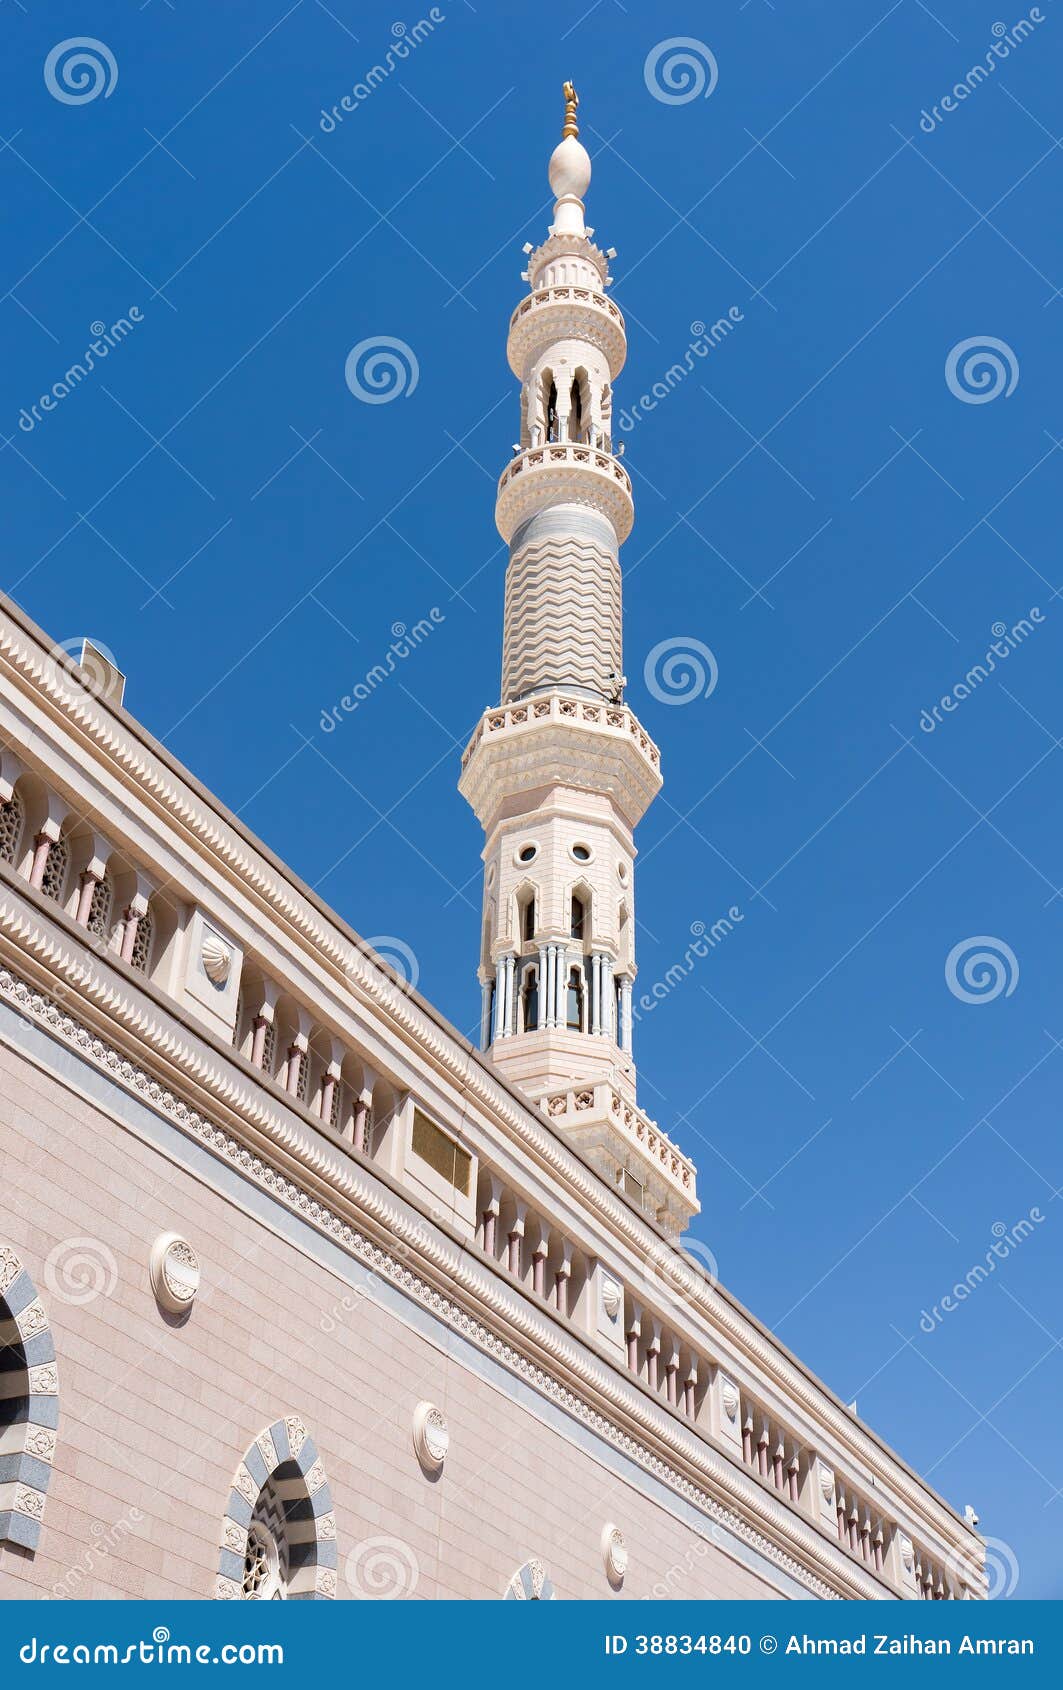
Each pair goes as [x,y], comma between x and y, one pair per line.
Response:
[137,729]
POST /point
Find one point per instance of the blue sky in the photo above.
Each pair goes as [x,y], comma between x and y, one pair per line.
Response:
[817,503]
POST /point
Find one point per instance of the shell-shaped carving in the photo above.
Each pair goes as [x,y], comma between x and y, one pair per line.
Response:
[611,1297]
[216,956]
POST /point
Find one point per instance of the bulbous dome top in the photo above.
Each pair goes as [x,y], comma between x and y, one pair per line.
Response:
[570,168]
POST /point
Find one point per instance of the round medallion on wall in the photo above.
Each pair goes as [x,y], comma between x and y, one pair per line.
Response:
[174,1269]
[612,1297]
[614,1553]
[431,1438]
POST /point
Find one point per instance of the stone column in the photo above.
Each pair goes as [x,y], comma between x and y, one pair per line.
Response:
[544,986]
[562,1275]
[135,910]
[633,1334]
[362,1105]
[539,1255]
[653,1356]
[690,1385]
[625,1015]
[515,1239]
[485,1014]
[608,1011]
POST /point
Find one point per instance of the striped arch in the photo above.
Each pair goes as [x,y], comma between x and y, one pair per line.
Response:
[29,1404]
[285,1457]
[530,1583]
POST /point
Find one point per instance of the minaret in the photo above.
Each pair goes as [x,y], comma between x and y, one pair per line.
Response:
[561,772]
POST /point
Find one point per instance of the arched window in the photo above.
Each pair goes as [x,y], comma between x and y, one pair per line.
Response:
[11,819]
[279,1533]
[528,919]
[574,1016]
[99,922]
[140,956]
[578,917]
[551,407]
[29,1403]
[529,999]
[575,414]
[54,878]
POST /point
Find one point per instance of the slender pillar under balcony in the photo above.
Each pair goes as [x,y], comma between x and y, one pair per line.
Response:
[690,1388]
[86,892]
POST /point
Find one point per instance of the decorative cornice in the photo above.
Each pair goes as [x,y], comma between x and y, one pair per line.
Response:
[565,474]
[555,314]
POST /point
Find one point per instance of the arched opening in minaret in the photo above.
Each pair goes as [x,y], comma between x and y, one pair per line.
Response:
[550,390]
[575,411]
[578,919]
[529,998]
[579,411]
[575,1017]
[623,937]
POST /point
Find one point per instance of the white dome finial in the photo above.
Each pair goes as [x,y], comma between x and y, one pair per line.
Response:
[570,170]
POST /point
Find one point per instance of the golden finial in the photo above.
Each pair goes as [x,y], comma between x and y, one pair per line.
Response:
[571,102]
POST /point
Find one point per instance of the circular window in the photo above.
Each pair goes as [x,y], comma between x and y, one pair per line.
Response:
[491,875]
[582,853]
[527,853]
[621,873]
